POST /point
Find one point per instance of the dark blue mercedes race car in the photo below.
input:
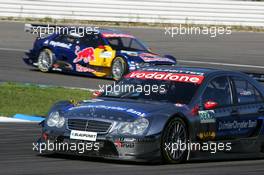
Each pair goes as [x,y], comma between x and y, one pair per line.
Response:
[98,52]
[163,113]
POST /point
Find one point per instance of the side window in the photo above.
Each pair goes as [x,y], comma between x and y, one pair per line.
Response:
[218,90]
[115,43]
[131,44]
[135,45]
[91,40]
[246,92]
[126,42]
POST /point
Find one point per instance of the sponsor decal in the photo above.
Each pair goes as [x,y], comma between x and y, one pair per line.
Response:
[115,35]
[59,44]
[63,65]
[86,55]
[106,54]
[119,143]
[80,68]
[186,78]
[128,110]
[207,135]
[148,57]
[230,125]
[207,116]
[153,69]
[83,135]
[245,93]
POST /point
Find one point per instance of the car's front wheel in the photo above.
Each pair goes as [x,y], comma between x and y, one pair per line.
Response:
[174,144]
[119,68]
[45,60]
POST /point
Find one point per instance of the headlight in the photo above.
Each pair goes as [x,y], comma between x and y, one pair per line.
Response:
[55,119]
[132,128]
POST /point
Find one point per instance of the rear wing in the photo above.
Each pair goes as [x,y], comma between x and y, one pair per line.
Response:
[257,76]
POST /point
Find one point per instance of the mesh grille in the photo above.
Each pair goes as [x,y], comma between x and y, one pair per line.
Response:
[89,125]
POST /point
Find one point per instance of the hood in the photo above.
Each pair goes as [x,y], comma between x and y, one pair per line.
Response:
[118,110]
[147,57]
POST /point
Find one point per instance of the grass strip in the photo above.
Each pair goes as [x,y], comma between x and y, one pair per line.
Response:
[33,99]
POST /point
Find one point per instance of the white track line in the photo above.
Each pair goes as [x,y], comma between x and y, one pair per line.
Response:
[221,64]
[12,49]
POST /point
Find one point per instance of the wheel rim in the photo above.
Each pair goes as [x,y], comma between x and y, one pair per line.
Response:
[117,69]
[44,61]
[176,134]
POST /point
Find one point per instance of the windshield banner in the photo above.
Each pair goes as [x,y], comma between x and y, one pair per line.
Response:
[186,78]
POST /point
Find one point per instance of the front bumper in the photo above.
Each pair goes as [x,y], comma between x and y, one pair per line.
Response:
[110,147]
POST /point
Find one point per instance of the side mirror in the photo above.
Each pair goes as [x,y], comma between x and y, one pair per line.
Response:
[210,105]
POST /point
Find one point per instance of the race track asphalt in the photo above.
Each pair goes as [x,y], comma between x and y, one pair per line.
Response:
[17,157]
[238,51]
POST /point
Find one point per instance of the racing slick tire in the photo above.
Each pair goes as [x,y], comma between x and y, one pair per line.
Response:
[175,133]
[45,60]
[119,68]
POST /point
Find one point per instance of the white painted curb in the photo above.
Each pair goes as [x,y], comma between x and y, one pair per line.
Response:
[14,120]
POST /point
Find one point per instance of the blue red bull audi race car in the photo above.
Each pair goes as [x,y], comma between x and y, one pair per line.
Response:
[165,113]
[100,52]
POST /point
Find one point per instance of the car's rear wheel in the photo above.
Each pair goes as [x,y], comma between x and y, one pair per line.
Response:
[174,137]
[119,68]
[45,60]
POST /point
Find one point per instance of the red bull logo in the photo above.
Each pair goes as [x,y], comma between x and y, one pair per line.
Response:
[86,55]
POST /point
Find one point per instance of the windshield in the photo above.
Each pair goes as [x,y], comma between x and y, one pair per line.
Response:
[127,43]
[154,90]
